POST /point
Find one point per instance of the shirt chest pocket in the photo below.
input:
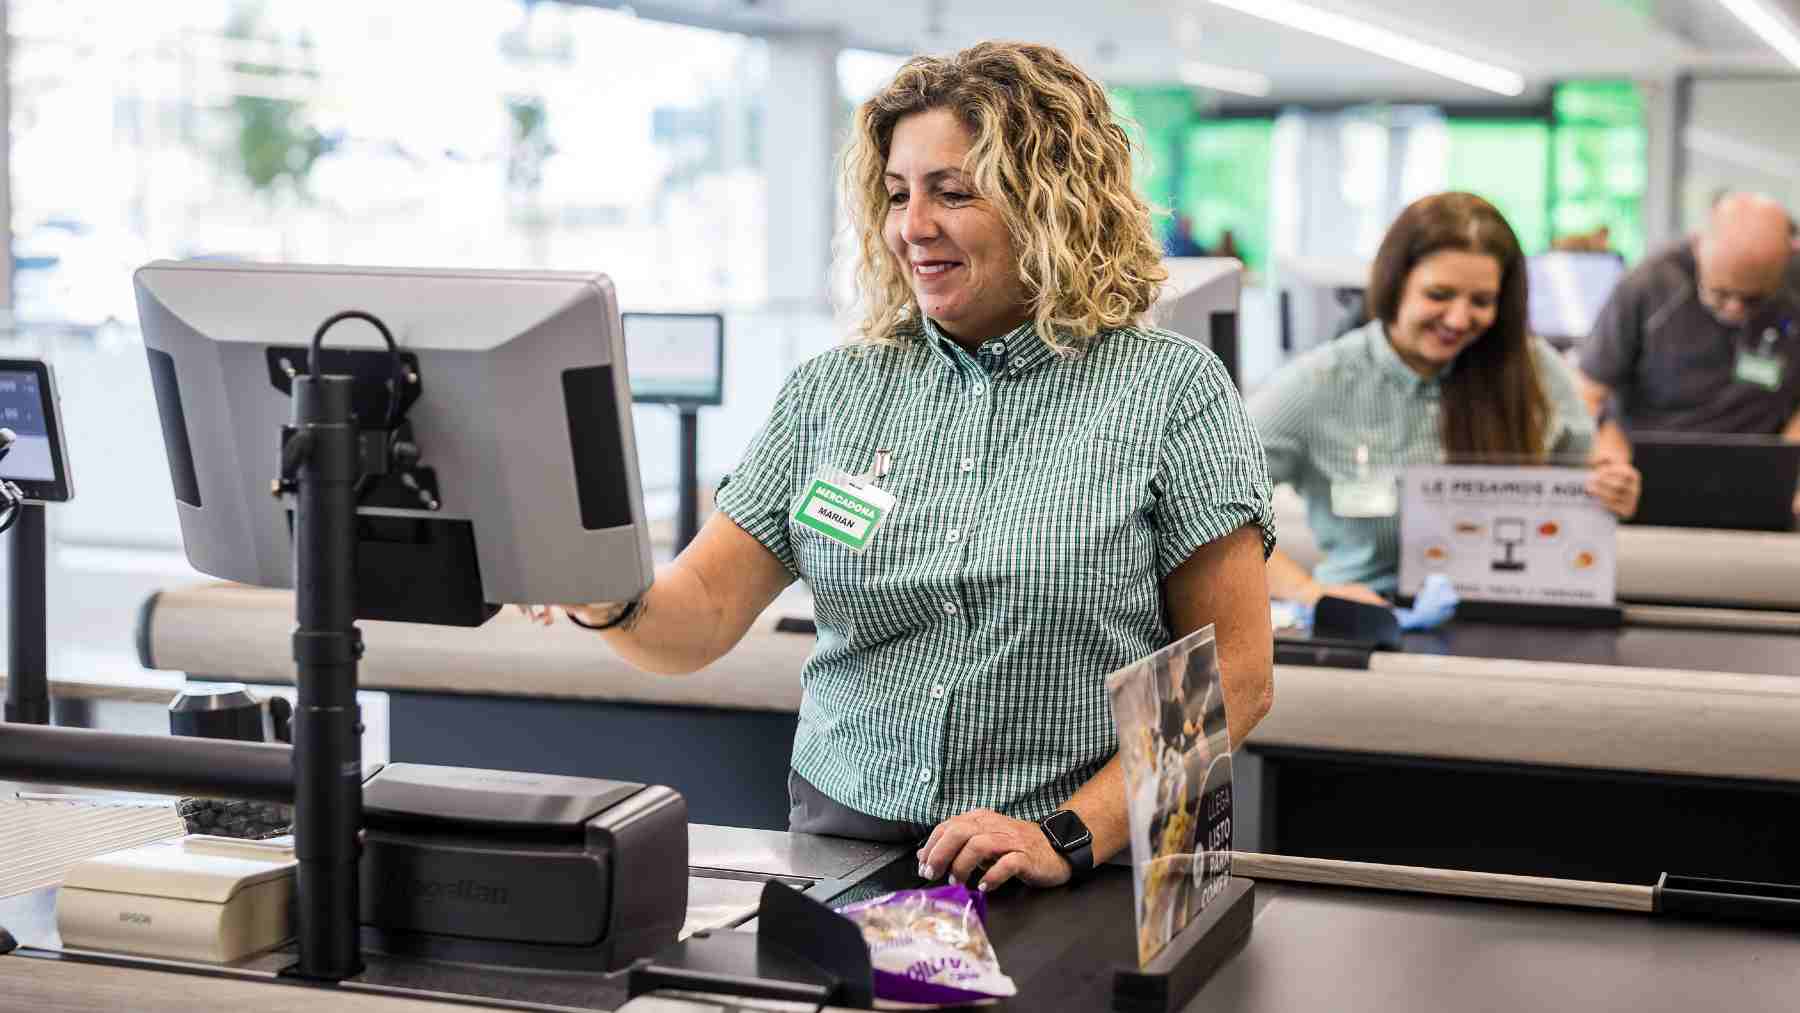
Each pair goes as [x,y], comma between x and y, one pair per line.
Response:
[1082,510]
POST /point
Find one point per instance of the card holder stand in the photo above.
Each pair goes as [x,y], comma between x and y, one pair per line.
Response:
[1174,975]
[802,951]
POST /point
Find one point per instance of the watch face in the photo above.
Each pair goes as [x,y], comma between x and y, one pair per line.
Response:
[1066,830]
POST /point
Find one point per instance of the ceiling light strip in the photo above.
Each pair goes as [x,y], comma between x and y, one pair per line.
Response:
[1385,43]
[1769,26]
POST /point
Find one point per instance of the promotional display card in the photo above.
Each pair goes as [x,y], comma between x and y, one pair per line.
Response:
[1176,752]
[1508,534]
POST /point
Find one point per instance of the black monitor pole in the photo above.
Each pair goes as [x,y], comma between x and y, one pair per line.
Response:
[27,664]
[320,461]
[687,485]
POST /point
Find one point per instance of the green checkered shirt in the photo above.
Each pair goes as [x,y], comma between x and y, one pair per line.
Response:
[961,659]
[1354,392]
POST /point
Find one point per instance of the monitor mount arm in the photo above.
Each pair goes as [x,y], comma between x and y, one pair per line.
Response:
[325,462]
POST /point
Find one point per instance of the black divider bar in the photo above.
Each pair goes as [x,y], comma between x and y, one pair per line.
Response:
[161,764]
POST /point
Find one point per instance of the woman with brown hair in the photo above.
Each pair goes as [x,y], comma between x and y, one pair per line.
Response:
[1003,488]
[1444,371]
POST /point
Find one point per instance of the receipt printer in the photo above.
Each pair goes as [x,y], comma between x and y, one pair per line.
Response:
[519,869]
[210,899]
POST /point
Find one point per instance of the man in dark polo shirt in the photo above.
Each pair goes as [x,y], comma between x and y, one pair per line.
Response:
[1704,336]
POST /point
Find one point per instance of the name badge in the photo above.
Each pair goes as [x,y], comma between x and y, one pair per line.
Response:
[843,508]
[1365,497]
[1763,369]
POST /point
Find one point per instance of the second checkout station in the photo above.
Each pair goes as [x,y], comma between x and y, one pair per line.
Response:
[1501,812]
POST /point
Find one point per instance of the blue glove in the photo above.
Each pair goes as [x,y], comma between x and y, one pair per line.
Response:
[1432,606]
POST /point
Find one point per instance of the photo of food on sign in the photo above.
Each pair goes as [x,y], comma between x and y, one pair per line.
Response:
[1176,753]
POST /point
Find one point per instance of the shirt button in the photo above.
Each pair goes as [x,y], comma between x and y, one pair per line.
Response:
[952,535]
[968,464]
[980,389]
[924,774]
[937,692]
[998,348]
[949,608]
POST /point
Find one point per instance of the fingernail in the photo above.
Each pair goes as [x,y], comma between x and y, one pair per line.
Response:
[982,886]
[927,872]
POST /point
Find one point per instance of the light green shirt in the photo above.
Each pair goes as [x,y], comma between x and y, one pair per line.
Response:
[1041,501]
[1354,392]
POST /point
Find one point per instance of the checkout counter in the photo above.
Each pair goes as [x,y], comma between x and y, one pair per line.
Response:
[1665,719]
[1612,754]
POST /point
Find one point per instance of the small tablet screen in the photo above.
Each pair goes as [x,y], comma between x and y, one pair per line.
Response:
[27,407]
[675,358]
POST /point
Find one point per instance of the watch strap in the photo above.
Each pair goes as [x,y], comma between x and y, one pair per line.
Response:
[1081,861]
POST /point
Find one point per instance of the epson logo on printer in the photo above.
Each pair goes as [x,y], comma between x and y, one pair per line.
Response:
[467,890]
[134,917]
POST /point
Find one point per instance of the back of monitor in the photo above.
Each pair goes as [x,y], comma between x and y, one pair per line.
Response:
[524,415]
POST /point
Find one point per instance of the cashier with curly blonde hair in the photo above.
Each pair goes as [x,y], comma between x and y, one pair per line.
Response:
[1003,488]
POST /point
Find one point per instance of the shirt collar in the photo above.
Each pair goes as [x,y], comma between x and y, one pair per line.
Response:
[1017,351]
[1389,364]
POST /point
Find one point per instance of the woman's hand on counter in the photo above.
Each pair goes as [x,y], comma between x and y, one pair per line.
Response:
[1006,848]
[1616,484]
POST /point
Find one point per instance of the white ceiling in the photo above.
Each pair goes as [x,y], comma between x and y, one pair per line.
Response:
[1144,41]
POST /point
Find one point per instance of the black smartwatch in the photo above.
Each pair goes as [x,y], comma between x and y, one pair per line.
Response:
[1072,840]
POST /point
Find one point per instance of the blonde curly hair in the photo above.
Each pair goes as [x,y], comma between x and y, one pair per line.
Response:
[1049,157]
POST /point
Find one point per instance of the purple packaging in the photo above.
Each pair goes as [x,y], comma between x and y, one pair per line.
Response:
[930,946]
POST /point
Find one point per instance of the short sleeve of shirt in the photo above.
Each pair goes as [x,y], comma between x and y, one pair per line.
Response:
[758,493]
[1211,475]
[1571,427]
[1610,353]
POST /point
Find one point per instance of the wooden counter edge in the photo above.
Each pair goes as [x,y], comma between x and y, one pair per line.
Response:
[1443,882]
[72,986]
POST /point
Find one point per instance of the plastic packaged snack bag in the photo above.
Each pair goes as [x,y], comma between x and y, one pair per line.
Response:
[930,946]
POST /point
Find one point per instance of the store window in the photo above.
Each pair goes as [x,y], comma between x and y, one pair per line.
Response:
[512,134]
